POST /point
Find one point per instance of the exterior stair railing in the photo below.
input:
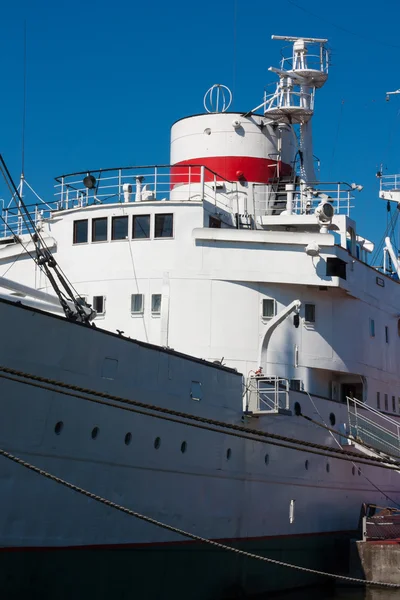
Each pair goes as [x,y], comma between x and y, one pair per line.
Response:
[373,428]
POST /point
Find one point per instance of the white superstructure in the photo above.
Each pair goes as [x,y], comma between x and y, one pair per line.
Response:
[233,254]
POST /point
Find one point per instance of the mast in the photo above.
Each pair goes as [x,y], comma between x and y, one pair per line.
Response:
[300,75]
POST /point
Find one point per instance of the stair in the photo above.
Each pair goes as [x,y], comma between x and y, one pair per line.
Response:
[373,428]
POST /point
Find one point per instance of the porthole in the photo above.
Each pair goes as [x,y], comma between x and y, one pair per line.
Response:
[297,409]
[58,427]
[266,459]
[332,419]
[328,467]
[95,432]
[353,470]
[128,438]
[228,454]
[157,443]
[183,447]
[306,465]
[207,131]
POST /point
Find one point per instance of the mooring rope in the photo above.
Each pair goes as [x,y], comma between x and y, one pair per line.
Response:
[186,534]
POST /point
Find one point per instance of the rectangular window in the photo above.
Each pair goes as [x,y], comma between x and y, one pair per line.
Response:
[372,327]
[81,231]
[336,267]
[99,304]
[295,385]
[141,227]
[386,402]
[137,303]
[378,400]
[195,391]
[268,308]
[386,334]
[163,226]
[214,222]
[99,230]
[394,403]
[119,228]
[155,304]
[309,313]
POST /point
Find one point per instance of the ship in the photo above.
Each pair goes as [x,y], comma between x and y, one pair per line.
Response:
[198,348]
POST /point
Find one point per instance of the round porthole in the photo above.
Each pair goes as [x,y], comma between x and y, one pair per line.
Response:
[58,427]
[207,131]
[95,432]
[128,438]
[266,459]
[183,447]
[328,467]
[228,454]
[332,419]
[297,409]
[306,465]
[157,443]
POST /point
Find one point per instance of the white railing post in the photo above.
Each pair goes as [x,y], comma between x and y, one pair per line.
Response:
[202,182]
[119,184]
[155,182]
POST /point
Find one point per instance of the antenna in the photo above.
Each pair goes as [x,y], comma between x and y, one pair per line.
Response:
[388,94]
[24,109]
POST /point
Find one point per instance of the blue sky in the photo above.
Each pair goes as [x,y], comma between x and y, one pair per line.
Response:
[105,80]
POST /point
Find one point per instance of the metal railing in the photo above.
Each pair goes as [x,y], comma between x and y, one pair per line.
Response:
[269,394]
[306,198]
[373,427]
[389,182]
[180,183]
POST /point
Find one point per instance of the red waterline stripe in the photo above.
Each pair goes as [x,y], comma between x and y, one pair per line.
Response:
[232,168]
[144,545]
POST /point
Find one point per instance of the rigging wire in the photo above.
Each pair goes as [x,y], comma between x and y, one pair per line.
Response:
[336,137]
[24,109]
[44,256]
[332,431]
[193,420]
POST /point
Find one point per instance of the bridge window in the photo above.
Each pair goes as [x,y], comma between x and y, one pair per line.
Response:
[386,334]
[141,227]
[394,403]
[137,303]
[155,304]
[119,228]
[163,225]
[378,400]
[99,304]
[268,308]
[80,231]
[309,313]
[99,230]
[386,402]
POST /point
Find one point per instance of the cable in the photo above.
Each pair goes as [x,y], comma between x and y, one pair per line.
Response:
[282,440]
[181,532]
[331,431]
